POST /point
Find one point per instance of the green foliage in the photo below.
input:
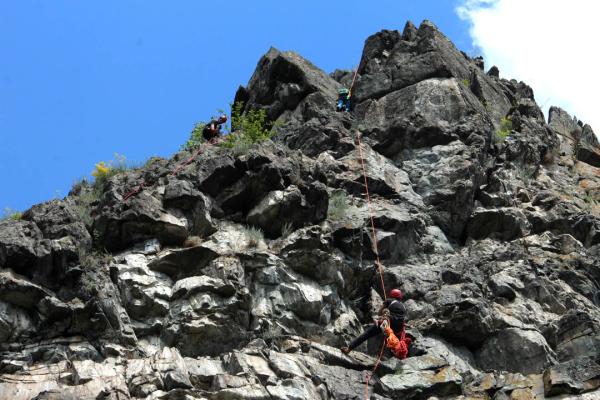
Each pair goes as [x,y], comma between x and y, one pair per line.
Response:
[247,128]
[10,214]
[505,128]
[466,83]
[196,138]
[339,203]
[242,131]
[255,236]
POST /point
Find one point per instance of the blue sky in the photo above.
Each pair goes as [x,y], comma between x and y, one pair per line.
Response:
[82,80]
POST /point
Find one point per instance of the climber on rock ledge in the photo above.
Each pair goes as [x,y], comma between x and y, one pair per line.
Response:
[391,323]
[212,130]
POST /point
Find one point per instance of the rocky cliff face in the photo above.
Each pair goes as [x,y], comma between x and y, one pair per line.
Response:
[494,241]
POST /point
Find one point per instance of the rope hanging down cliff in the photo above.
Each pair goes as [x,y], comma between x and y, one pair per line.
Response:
[375,250]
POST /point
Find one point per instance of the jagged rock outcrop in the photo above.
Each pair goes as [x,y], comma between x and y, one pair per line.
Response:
[173,293]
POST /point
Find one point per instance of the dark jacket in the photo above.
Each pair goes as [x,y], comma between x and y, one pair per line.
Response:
[211,130]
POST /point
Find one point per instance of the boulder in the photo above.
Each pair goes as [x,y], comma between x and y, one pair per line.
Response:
[516,350]
[447,178]
[499,223]
[384,178]
[22,246]
[577,335]
[567,129]
[292,208]
[203,369]
[572,377]
[19,291]
[391,62]
[420,377]
[588,149]
[58,219]
[282,80]
[145,294]
[14,323]
[431,112]
[120,225]
[183,263]
[184,196]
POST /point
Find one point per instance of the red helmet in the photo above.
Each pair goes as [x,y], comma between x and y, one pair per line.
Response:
[223,118]
[396,294]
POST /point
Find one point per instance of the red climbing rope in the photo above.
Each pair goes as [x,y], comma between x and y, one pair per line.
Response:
[353,80]
[190,159]
[376,251]
[370,210]
[370,374]
[179,167]
[135,191]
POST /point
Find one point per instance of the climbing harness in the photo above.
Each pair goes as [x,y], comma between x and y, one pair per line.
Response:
[398,346]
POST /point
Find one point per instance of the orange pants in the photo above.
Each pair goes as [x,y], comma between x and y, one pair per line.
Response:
[399,347]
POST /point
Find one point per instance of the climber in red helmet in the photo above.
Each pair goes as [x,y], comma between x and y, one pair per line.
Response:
[212,130]
[391,323]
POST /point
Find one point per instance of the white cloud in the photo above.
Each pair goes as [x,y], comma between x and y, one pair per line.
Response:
[548,44]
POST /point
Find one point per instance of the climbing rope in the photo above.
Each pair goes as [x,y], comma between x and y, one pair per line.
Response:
[353,81]
[370,211]
[373,240]
[376,251]
[179,167]
[370,374]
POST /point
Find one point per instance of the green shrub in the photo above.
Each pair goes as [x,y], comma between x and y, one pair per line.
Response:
[247,128]
[339,203]
[9,213]
[505,128]
[466,83]
[196,138]
[242,130]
